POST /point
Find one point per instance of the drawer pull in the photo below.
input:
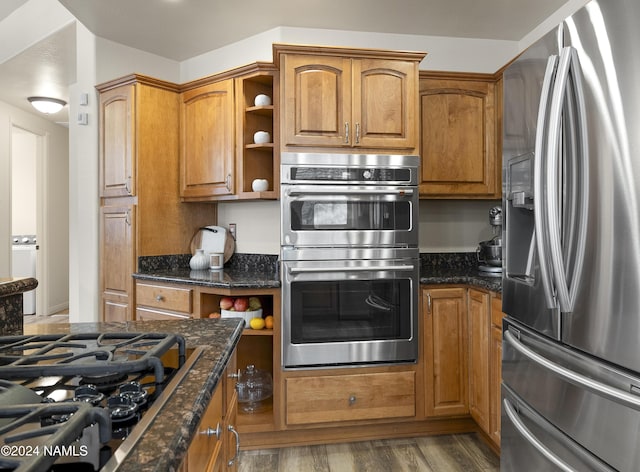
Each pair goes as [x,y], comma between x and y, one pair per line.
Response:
[159,298]
[352,400]
[237,436]
[213,432]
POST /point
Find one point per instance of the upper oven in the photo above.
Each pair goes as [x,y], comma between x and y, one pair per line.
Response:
[334,200]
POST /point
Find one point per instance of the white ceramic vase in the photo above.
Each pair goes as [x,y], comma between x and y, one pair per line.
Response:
[199,261]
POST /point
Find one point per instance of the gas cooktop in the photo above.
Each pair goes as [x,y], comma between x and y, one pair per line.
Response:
[69,401]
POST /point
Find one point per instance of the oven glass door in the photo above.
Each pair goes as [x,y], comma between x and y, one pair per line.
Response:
[322,215]
[349,312]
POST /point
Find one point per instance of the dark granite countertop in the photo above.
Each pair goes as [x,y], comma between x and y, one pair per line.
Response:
[226,278]
[165,442]
[242,271]
[456,268]
[251,271]
[15,285]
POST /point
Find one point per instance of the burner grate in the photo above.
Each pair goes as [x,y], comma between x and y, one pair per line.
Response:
[86,354]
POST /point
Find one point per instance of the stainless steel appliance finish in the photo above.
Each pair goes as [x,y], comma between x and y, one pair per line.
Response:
[350,264]
[349,306]
[349,200]
[571,166]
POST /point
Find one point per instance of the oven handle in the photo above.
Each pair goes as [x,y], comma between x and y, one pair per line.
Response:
[301,270]
[332,191]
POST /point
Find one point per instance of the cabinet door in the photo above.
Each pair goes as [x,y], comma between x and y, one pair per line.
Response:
[206,452]
[444,313]
[207,141]
[117,256]
[385,104]
[459,153]
[479,326]
[316,101]
[496,369]
[117,142]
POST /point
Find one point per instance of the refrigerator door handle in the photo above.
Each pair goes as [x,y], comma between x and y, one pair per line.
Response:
[568,74]
[539,184]
[514,412]
[532,439]
[606,391]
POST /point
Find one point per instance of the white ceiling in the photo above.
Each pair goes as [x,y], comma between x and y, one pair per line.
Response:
[181,29]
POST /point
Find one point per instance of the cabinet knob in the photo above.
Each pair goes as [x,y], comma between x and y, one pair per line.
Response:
[234,375]
[352,399]
[217,432]
[159,298]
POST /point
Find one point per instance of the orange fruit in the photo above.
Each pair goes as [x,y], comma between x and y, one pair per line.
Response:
[268,322]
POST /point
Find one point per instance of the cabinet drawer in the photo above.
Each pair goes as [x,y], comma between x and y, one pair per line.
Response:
[164,297]
[146,314]
[350,397]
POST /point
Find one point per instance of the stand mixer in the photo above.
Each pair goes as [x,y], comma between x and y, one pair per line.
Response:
[490,252]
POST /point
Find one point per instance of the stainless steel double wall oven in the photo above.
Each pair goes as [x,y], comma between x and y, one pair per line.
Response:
[350,262]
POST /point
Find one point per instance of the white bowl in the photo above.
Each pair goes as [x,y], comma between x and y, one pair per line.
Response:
[260,185]
[262,100]
[261,137]
[246,315]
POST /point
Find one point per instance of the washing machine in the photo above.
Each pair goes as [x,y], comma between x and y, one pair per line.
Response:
[24,255]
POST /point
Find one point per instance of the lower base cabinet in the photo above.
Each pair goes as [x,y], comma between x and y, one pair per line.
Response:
[350,397]
[216,442]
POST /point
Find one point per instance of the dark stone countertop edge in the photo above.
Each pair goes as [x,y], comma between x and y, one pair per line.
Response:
[164,444]
[14,286]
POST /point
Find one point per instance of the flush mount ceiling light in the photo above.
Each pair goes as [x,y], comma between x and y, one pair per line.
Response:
[47,105]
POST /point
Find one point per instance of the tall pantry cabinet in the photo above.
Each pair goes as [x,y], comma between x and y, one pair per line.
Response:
[140,209]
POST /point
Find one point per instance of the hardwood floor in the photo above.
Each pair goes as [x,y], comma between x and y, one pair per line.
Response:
[450,453]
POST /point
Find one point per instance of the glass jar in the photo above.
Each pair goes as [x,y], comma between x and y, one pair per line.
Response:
[254,387]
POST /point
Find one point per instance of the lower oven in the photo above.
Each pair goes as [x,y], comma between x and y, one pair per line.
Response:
[346,307]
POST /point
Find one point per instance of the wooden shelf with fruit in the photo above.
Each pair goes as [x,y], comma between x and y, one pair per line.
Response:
[248,308]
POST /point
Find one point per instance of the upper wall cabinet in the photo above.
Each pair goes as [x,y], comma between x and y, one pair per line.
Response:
[344,98]
[117,142]
[460,139]
[220,153]
[207,157]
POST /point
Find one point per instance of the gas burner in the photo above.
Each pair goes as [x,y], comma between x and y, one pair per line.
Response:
[89,394]
[134,391]
[104,382]
[121,408]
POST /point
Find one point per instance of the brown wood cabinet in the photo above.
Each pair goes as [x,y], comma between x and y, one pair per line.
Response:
[479,325]
[117,256]
[156,301]
[141,213]
[215,445]
[257,161]
[495,366]
[460,137]
[350,396]
[444,314]
[207,163]
[344,98]
[219,159]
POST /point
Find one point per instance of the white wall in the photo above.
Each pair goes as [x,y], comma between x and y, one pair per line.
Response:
[449,54]
[55,223]
[24,148]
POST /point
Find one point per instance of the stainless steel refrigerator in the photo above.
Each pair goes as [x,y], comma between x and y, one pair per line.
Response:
[571,278]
